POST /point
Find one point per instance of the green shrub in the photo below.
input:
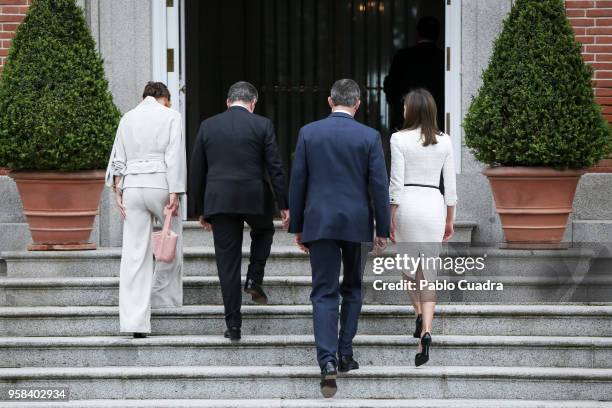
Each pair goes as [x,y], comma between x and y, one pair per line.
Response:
[536,105]
[56,112]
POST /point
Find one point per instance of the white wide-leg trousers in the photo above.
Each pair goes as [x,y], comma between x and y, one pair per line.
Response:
[143,282]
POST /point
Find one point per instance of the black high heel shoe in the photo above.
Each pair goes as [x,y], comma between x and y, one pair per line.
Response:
[419,326]
[423,357]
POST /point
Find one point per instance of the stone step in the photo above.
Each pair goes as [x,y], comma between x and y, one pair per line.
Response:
[455,319]
[314,403]
[292,290]
[298,350]
[291,382]
[570,264]
[195,236]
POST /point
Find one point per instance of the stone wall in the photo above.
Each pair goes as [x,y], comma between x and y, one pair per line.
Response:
[122,29]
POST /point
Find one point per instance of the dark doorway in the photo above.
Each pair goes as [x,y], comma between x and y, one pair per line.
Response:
[292,51]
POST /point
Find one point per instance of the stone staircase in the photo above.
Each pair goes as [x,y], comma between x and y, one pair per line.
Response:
[517,348]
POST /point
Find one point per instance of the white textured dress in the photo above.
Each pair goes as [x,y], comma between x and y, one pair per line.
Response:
[421,212]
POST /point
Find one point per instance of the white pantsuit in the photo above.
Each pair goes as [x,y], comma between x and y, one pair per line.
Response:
[149,155]
[421,214]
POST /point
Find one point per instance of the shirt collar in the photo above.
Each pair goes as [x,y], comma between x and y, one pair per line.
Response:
[238,107]
[149,101]
[343,111]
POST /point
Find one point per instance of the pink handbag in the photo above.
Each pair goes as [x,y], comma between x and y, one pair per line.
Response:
[164,241]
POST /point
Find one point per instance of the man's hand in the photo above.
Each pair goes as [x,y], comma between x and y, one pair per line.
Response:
[119,200]
[298,241]
[173,203]
[380,243]
[206,225]
[285,218]
[449,231]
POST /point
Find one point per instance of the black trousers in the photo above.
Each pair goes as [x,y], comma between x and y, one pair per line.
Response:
[227,235]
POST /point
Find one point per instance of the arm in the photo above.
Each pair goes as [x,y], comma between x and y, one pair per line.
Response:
[450,193]
[398,167]
[198,171]
[450,179]
[298,187]
[379,184]
[176,164]
[114,171]
[274,167]
[117,160]
[393,81]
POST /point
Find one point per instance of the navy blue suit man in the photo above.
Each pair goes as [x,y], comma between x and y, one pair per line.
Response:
[339,185]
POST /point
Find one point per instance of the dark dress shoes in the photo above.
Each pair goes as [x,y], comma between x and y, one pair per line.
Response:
[347,363]
[140,335]
[328,380]
[232,333]
[256,291]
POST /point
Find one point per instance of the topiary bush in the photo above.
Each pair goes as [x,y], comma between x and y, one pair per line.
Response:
[56,112]
[536,106]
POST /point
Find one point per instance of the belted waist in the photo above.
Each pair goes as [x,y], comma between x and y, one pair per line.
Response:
[148,164]
[422,185]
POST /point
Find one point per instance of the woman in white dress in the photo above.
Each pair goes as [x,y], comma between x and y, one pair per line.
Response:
[420,213]
[147,170]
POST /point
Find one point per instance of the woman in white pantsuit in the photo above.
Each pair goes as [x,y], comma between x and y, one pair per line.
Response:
[421,216]
[147,169]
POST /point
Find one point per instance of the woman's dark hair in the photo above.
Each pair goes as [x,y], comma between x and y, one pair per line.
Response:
[421,111]
[156,90]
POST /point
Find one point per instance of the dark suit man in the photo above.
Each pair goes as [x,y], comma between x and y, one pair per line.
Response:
[337,160]
[419,66]
[233,154]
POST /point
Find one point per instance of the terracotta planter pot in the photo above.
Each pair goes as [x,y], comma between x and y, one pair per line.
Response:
[533,203]
[60,207]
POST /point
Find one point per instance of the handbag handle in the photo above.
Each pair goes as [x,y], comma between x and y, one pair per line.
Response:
[167,221]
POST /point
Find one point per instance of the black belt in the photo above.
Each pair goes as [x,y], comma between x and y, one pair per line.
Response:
[422,185]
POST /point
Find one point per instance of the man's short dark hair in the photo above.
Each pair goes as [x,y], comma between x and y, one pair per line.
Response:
[242,91]
[156,90]
[429,28]
[345,92]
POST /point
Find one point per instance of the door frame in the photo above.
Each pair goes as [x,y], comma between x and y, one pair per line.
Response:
[168,48]
[452,77]
[168,33]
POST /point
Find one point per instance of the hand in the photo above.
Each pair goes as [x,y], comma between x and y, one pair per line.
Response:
[393,212]
[119,200]
[449,231]
[380,243]
[298,241]
[173,203]
[205,224]
[285,217]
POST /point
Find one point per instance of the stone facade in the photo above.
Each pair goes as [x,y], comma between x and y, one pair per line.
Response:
[122,29]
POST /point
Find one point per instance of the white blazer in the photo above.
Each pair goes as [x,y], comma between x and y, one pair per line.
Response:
[149,149]
[413,163]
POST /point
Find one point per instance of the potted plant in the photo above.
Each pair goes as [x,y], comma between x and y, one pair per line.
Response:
[535,123]
[57,124]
